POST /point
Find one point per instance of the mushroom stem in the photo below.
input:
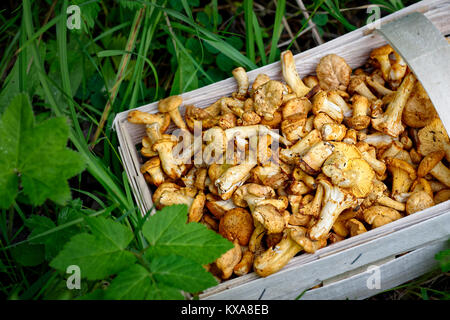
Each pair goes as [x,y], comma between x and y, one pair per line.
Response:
[275,258]
[391,121]
[291,76]
[334,202]
[442,173]
[391,203]
[242,80]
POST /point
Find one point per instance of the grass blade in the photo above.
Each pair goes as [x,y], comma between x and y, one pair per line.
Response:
[277,28]
[249,38]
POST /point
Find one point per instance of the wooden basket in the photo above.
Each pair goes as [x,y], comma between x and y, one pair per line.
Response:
[403,249]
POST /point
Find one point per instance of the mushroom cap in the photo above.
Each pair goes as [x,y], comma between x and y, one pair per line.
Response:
[170,103]
[164,141]
[268,98]
[296,106]
[299,235]
[394,163]
[270,216]
[139,117]
[429,162]
[150,164]
[260,80]
[441,196]
[237,224]
[355,226]
[418,201]
[274,122]
[196,209]
[333,72]
[432,137]
[169,193]
[251,189]
[419,110]
[348,170]
[208,116]
[226,262]
[217,206]
[378,216]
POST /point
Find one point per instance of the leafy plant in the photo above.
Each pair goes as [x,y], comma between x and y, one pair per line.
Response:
[170,263]
[37,153]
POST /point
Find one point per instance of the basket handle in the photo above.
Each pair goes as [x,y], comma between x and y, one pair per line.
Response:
[427,53]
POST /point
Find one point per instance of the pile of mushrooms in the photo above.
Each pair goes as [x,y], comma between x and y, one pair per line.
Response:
[357,149]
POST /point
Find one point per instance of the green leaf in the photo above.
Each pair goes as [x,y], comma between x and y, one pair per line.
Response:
[28,255]
[99,254]
[224,63]
[117,234]
[54,241]
[136,283]
[320,19]
[97,257]
[133,283]
[444,260]
[168,233]
[162,292]
[179,272]
[36,153]
[89,11]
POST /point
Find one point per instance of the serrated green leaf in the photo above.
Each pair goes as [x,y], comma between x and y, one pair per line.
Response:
[116,233]
[165,219]
[133,283]
[89,11]
[179,272]
[162,292]
[168,233]
[97,257]
[36,153]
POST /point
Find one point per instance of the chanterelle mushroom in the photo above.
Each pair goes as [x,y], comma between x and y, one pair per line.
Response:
[275,258]
[169,193]
[432,137]
[432,164]
[233,178]
[331,103]
[334,202]
[242,80]
[347,169]
[391,121]
[403,175]
[139,117]
[251,194]
[418,201]
[170,105]
[291,76]
[333,73]
[237,224]
[378,216]
[268,98]
[419,110]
